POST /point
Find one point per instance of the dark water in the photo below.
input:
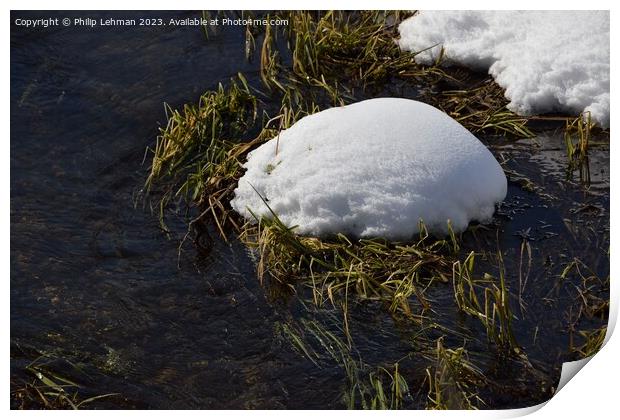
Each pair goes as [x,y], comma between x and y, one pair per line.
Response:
[95,283]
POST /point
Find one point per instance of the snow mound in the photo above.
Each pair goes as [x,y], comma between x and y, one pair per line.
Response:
[548,61]
[373,169]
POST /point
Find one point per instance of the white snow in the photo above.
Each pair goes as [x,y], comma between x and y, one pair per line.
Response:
[373,169]
[548,61]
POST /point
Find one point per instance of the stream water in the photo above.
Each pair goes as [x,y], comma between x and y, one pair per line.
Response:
[95,284]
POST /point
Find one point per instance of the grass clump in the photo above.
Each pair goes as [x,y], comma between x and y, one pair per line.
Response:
[480,107]
[357,45]
[335,45]
[199,148]
[577,136]
[486,299]
[453,380]
[339,52]
[578,139]
[325,59]
[370,269]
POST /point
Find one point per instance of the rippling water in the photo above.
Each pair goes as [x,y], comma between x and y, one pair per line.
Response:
[95,281]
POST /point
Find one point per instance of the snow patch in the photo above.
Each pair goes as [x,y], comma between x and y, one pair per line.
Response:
[548,61]
[373,169]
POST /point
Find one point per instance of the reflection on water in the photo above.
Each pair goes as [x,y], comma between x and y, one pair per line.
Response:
[94,280]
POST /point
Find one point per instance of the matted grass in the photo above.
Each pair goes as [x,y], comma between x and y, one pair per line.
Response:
[335,58]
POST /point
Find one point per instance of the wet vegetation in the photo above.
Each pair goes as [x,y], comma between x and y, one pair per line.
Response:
[53,384]
[325,59]
[460,305]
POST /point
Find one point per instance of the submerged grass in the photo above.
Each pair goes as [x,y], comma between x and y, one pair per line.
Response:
[367,387]
[327,59]
[48,388]
[591,303]
[487,299]
[453,380]
[592,342]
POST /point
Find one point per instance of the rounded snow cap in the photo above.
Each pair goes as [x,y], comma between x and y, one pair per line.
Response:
[373,169]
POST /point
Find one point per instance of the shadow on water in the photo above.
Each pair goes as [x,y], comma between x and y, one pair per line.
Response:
[95,282]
